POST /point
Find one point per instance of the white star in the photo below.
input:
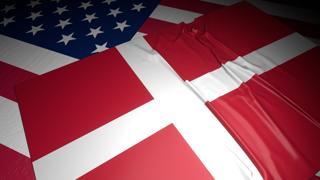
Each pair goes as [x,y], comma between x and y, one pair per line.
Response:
[108,1]
[66,38]
[33,3]
[60,10]
[89,18]
[85,5]
[33,15]
[121,26]
[114,12]
[35,29]
[8,8]
[100,48]
[138,7]
[63,23]
[6,21]
[95,32]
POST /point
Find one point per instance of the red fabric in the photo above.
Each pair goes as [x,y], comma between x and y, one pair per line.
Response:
[192,5]
[192,58]
[315,178]
[281,139]
[154,25]
[275,116]
[9,77]
[298,80]
[164,155]
[14,165]
[243,28]
[216,38]
[69,102]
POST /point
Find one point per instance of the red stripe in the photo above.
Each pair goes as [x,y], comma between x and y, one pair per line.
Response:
[69,102]
[9,77]
[244,28]
[164,155]
[192,5]
[14,165]
[152,26]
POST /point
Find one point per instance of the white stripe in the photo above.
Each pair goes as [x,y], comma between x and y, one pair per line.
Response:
[215,84]
[173,102]
[223,2]
[30,57]
[195,90]
[138,35]
[230,76]
[287,11]
[173,15]
[11,129]
[278,52]
[207,137]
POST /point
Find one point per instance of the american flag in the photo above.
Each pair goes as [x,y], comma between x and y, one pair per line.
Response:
[76,29]
[38,37]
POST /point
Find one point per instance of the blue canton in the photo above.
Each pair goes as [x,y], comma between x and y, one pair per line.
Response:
[71,27]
